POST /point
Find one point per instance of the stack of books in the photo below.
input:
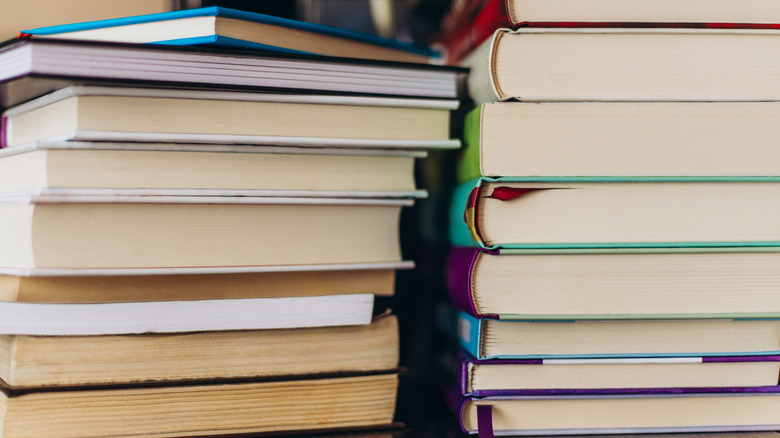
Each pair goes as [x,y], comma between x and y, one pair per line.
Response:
[618,258]
[193,237]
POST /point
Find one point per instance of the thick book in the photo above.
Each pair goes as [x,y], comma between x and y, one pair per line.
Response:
[488,338]
[190,116]
[518,377]
[49,361]
[617,212]
[327,172]
[468,26]
[650,139]
[80,319]
[32,68]
[625,64]
[141,231]
[234,28]
[664,411]
[616,283]
[200,409]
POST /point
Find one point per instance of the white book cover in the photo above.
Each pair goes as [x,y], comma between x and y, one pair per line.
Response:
[44,319]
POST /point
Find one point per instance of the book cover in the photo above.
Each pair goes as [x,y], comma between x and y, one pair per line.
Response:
[488,338]
[180,28]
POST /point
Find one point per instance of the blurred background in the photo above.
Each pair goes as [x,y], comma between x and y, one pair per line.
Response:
[407,20]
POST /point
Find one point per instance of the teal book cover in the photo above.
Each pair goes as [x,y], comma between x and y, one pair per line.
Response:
[617,212]
[217,26]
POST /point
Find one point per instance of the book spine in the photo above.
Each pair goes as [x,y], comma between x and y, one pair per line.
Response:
[456,401]
[469,334]
[459,267]
[617,392]
[459,232]
[461,40]
[3,131]
[469,161]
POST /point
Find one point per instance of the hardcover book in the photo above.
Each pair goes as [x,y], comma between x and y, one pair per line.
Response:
[720,410]
[316,171]
[190,116]
[618,212]
[470,25]
[488,338]
[616,283]
[131,230]
[651,139]
[518,377]
[233,28]
[625,64]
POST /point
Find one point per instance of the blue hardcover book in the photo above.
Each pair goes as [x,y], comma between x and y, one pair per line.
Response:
[487,338]
[232,28]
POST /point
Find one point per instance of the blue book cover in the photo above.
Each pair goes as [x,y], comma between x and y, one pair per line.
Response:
[634,338]
[217,26]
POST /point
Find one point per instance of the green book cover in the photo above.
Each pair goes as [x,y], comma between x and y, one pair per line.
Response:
[469,161]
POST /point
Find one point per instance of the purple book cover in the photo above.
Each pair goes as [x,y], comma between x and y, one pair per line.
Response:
[3,131]
[466,359]
[458,403]
[459,267]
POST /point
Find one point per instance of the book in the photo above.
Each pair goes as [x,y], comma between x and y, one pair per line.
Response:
[80,319]
[233,28]
[122,230]
[467,27]
[49,361]
[651,139]
[323,171]
[616,283]
[77,286]
[624,64]
[746,409]
[32,68]
[487,338]
[630,212]
[158,115]
[200,409]
[517,377]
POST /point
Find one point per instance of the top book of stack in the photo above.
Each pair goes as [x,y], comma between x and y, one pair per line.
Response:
[222,27]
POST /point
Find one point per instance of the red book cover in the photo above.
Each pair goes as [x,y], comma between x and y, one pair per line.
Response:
[470,31]
[473,21]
